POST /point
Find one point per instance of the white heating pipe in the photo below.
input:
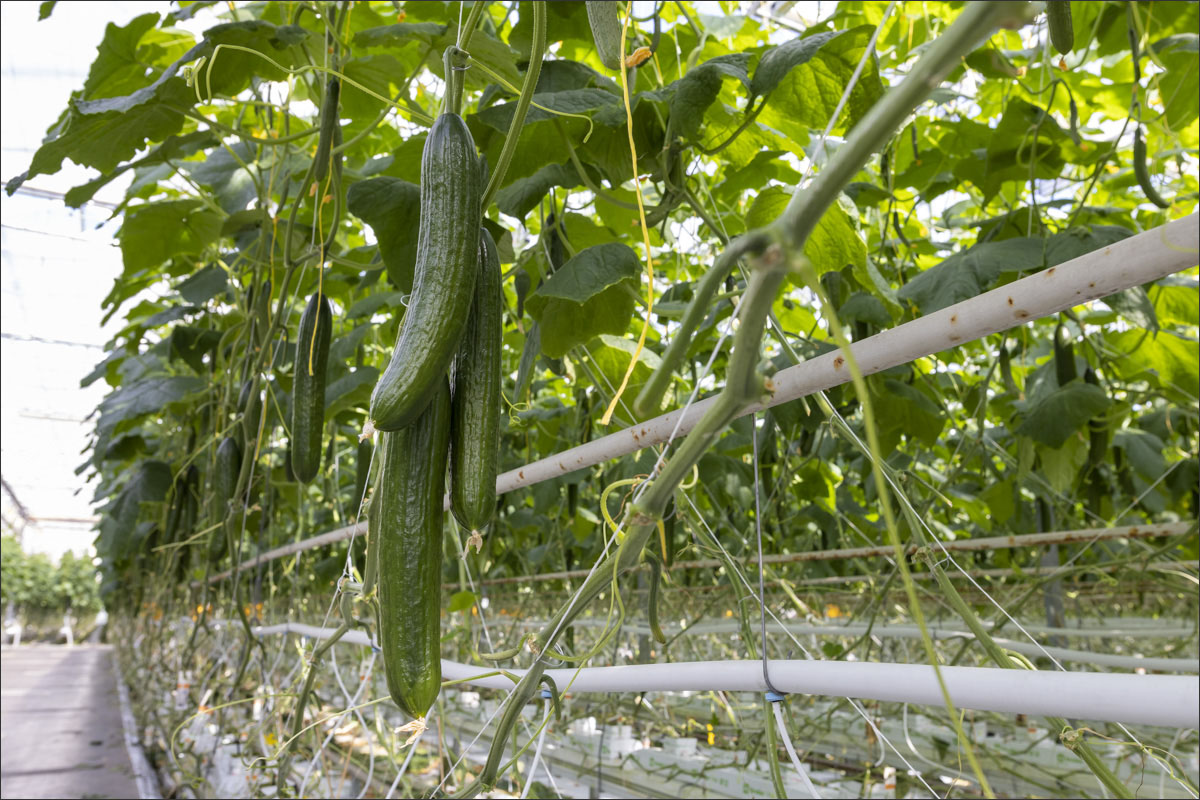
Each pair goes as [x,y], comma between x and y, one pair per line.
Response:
[1139,259]
[1168,700]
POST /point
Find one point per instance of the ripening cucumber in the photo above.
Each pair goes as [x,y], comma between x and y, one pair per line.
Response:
[443,278]
[475,411]
[410,497]
[224,484]
[308,387]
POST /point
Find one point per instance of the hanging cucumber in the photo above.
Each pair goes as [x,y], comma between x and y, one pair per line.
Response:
[224,484]
[1143,173]
[410,492]
[308,388]
[443,278]
[329,129]
[1062,31]
[475,414]
[362,469]
[605,23]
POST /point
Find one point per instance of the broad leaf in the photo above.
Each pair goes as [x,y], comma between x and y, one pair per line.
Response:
[392,207]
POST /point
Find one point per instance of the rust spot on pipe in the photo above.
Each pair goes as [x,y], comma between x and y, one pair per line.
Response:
[521,474]
[1021,313]
[1049,272]
[1010,301]
[1091,284]
[838,362]
[954,319]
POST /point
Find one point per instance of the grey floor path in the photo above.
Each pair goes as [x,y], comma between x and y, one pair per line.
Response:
[60,724]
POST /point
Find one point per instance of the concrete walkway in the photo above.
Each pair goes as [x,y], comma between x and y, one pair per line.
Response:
[60,724]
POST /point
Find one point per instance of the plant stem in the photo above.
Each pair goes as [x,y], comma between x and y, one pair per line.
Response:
[536,53]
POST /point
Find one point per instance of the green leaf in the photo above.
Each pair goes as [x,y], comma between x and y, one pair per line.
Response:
[863,307]
[117,69]
[372,303]
[1144,451]
[1059,413]
[353,389]
[1135,306]
[400,34]
[203,285]
[1060,465]
[835,244]
[777,62]
[1076,242]
[767,206]
[1176,304]
[565,324]
[392,207]
[45,9]
[1168,359]
[591,272]
[222,170]
[1180,85]
[967,273]
[697,90]
[522,195]
[807,86]
[156,232]
[571,101]
[149,484]
[909,411]
[462,601]
[191,344]
[142,397]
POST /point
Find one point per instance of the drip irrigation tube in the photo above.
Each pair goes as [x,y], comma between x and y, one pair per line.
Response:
[1168,700]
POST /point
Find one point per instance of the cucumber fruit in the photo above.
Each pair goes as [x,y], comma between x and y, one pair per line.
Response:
[410,497]
[443,278]
[1062,30]
[475,410]
[605,23]
[308,387]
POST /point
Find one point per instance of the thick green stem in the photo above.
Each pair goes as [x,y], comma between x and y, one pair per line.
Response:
[872,132]
[536,53]
[650,397]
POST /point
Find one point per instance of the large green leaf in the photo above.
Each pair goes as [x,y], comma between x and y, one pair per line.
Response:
[806,86]
[392,207]
[565,324]
[1061,412]
[968,273]
[522,195]
[203,285]
[591,272]
[157,232]
[1172,361]
[697,90]
[143,397]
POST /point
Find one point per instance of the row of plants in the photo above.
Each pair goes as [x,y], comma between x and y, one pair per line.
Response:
[367,245]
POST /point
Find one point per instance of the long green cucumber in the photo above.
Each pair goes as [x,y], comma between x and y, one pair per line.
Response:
[308,388]
[329,125]
[410,492]
[1062,30]
[1142,172]
[475,411]
[605,23]
[362,469]
[443,278]
[224,484]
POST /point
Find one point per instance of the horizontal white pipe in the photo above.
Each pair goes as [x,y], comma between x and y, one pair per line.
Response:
[1168,700]
[1131,262]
